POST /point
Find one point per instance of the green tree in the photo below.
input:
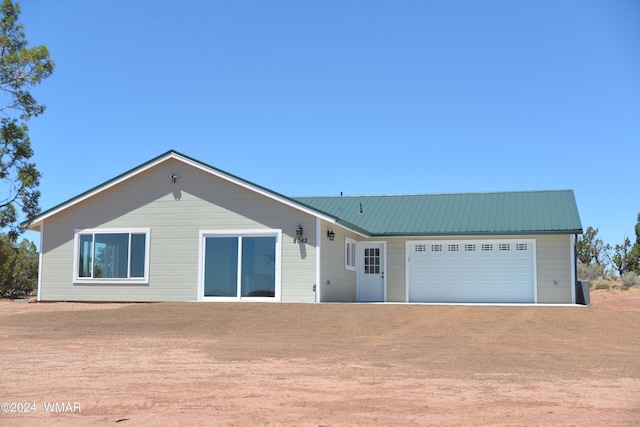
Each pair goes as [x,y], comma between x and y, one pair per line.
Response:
[634,252]
[21,68]
[626,258]
[591,249]
[620,259]
[18,267]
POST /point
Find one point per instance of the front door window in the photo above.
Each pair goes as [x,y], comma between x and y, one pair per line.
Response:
[372,261]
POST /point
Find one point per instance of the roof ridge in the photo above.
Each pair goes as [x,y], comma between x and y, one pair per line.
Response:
[437,194]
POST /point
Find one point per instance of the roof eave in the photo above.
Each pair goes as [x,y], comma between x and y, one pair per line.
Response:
[478,233]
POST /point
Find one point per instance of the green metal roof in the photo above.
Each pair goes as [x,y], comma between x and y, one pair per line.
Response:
[535,212]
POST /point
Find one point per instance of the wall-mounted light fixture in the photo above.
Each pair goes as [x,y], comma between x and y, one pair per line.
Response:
[299,232]
[174,177]
[331,235]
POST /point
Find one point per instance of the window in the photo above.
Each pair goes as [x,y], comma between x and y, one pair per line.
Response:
[111,256]
[350,254]
[470,247]
[454,248]
[436,248]
[521,246]
[487,247]
[421,248]
[504,247]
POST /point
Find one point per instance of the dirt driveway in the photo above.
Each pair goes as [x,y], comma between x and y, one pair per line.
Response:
[240,364]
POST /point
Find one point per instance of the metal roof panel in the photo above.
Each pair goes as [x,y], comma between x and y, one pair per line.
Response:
[455,214]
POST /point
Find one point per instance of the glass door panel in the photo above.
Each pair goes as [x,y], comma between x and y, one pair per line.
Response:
[221,267]
[259,266]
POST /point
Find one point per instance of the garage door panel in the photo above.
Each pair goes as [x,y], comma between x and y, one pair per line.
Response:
[437,279]
[506,263]
[472,271]
[436,263]
[421,263]
[453,280]
[505,279]
[453,263]
[470,279]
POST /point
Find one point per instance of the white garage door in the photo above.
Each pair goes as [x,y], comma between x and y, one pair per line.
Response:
[471,271]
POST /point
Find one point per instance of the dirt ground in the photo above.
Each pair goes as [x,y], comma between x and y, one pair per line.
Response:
[238,364]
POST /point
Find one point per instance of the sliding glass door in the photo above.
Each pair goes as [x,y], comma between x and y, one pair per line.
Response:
[240,266]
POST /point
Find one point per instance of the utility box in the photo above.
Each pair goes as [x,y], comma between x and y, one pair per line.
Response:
[582,293]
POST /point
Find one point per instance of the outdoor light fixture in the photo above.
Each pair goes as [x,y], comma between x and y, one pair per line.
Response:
[331,235]
[174,177]
[299,232]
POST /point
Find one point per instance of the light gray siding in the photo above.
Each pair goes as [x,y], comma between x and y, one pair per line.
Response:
[337,284]
[396,270]
[554,260]
[176,213]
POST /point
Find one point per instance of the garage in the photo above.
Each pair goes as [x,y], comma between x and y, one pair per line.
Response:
[473,271]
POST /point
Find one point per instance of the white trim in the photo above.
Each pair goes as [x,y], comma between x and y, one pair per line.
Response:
[40,258]
[383,266]
[240,233]
[106,281]
[318,259]
[535,270]
[347,242]
[572,257]
[197,165]
[407,260]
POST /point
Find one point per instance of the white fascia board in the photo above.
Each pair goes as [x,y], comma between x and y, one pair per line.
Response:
[99,189]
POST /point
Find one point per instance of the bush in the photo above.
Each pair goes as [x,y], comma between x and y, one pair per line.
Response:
[600,284]
[590,272]
[630,279]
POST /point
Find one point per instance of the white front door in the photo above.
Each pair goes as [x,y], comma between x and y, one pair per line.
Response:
[371,268]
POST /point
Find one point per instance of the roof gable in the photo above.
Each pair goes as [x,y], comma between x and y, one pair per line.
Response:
[35,224]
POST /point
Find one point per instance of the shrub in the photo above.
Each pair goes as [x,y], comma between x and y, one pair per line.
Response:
[590,272]
[600,284]
[630,279]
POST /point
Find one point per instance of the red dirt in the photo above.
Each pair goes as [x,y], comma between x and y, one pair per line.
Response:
[237,364]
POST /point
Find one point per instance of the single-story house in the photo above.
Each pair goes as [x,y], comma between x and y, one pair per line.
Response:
[177,229]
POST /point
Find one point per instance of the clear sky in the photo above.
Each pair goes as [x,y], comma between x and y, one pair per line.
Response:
[361,97]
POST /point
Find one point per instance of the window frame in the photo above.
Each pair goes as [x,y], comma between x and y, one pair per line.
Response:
[348,243]
[240,234]
[144,280]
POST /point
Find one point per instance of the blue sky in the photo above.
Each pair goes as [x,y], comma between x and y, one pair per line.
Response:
[361,97]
